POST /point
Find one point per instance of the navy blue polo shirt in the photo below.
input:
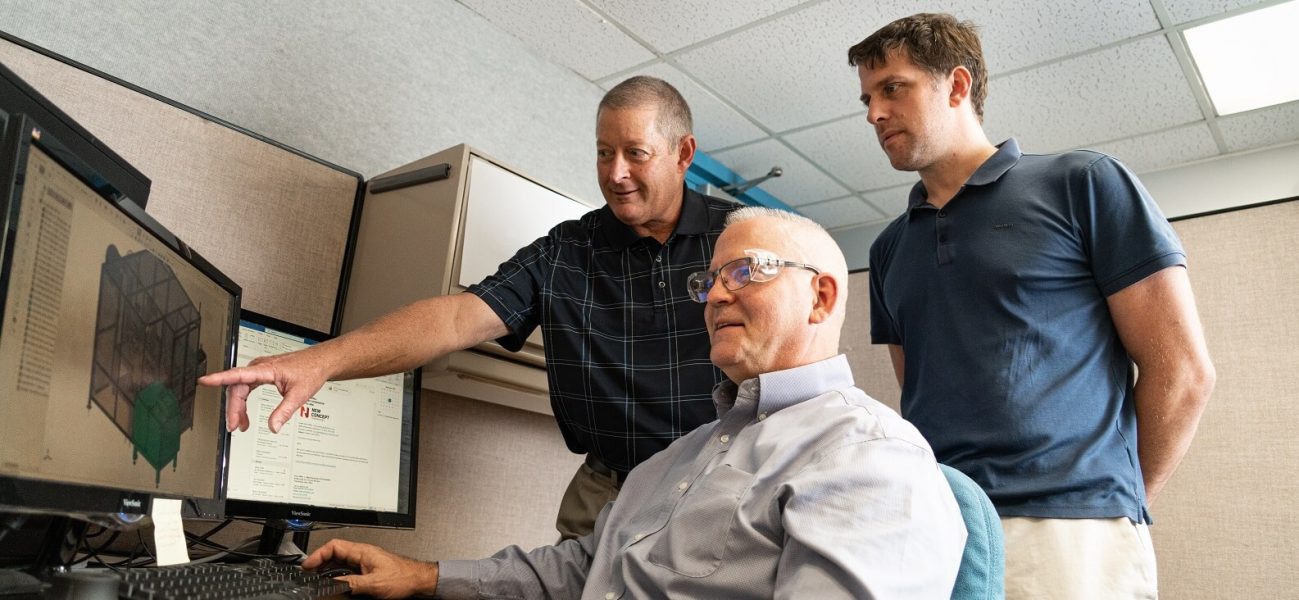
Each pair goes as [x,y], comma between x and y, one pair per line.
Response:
[626,347]
[1014,371]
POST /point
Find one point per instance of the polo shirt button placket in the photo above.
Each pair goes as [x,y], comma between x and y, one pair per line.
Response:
[942,226]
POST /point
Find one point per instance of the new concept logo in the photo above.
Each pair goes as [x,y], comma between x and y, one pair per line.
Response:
[312,412]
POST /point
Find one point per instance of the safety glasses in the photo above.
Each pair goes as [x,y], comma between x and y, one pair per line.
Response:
[757,265]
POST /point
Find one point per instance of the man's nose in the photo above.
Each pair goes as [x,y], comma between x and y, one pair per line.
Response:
[617,168]
[718,294]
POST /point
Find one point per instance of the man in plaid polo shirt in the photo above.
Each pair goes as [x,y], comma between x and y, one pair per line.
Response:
[626,348]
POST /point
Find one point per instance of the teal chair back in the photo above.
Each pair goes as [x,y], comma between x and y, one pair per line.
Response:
[982,575]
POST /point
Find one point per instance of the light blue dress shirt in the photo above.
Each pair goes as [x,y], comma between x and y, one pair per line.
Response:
[804,487]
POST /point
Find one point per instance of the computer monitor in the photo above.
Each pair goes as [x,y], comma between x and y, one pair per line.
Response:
[106,320]
[348,457]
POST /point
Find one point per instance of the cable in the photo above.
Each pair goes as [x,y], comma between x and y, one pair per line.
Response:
[12,524]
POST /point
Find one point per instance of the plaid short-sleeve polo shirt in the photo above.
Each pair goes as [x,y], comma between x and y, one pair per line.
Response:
[626,348]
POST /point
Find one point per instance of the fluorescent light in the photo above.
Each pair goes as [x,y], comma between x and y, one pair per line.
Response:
[1245,60]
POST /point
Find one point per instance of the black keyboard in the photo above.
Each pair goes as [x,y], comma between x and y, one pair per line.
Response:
[259,579]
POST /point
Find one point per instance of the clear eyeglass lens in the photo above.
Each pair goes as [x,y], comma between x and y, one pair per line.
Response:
[737,274]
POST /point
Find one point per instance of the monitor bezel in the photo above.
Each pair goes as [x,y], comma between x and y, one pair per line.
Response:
[302,516]
[105,504]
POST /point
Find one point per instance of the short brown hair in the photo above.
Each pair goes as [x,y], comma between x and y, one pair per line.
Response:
[642,91]
[936,42]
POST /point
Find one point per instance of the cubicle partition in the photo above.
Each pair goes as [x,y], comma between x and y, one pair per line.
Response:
[275,220]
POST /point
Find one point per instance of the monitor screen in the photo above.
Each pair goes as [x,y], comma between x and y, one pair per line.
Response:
[108,320]
[348,456]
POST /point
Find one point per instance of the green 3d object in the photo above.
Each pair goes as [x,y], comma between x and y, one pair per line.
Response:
[156,427]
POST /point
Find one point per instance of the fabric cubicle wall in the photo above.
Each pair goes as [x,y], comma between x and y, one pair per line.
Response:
[274,220]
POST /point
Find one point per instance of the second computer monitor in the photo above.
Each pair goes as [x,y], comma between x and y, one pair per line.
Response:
[347,457]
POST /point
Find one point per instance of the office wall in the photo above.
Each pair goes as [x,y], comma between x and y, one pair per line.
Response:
[1225,525]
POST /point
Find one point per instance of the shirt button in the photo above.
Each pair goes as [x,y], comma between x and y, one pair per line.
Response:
[658,259]
[762,416]
[640,536]
[610,596]
[663,283]
[725,438]
[942,213]
[682,486]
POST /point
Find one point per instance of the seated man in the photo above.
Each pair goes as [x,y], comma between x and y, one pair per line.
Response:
[803,486]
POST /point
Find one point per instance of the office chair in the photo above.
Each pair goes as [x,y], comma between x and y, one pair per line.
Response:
[982,574]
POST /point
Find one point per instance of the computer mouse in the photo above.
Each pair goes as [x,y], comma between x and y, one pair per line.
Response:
[338,570]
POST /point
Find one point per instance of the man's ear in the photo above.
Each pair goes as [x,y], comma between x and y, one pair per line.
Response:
[962,81]
[686,153]
[826,296]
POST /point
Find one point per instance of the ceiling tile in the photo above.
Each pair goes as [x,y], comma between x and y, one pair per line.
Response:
[566,32]
[1182,11]
[785,72]
[790,71]
[716,124]
[1261,128]
[892,202]
[801,183]
[666,29]
[848,149]
[1115,93]
[841,212]
[1164,149]
[1017,34]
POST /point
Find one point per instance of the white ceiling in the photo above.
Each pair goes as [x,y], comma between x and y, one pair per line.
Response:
[769,82]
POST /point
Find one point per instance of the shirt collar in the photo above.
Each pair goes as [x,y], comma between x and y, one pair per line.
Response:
[781,389]
[693,221]
[991,170]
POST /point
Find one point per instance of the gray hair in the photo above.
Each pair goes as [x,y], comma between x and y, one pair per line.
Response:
[674,120]
[802,233]
[749,213]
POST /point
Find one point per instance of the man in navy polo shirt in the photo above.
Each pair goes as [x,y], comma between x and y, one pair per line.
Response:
[1015,294]
[626,348]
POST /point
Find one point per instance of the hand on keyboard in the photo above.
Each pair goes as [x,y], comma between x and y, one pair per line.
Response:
[382,573]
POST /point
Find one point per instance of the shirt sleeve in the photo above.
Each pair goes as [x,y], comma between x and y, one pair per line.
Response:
[872,519]
[1124,233]
[514,291]
[557,571]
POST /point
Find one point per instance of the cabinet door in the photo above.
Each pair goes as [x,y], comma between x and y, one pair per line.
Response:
[505,212]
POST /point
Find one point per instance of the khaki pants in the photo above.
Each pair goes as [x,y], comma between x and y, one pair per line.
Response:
[585,497]
[1078,559]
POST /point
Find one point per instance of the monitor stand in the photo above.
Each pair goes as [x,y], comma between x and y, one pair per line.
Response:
[272,541]
[43,543]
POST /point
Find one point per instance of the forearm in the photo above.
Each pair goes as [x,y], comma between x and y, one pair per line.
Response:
[411,336]
[1169,404]
[546,572]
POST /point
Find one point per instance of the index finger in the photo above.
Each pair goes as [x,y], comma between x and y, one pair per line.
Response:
[253,375]
[332,551]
